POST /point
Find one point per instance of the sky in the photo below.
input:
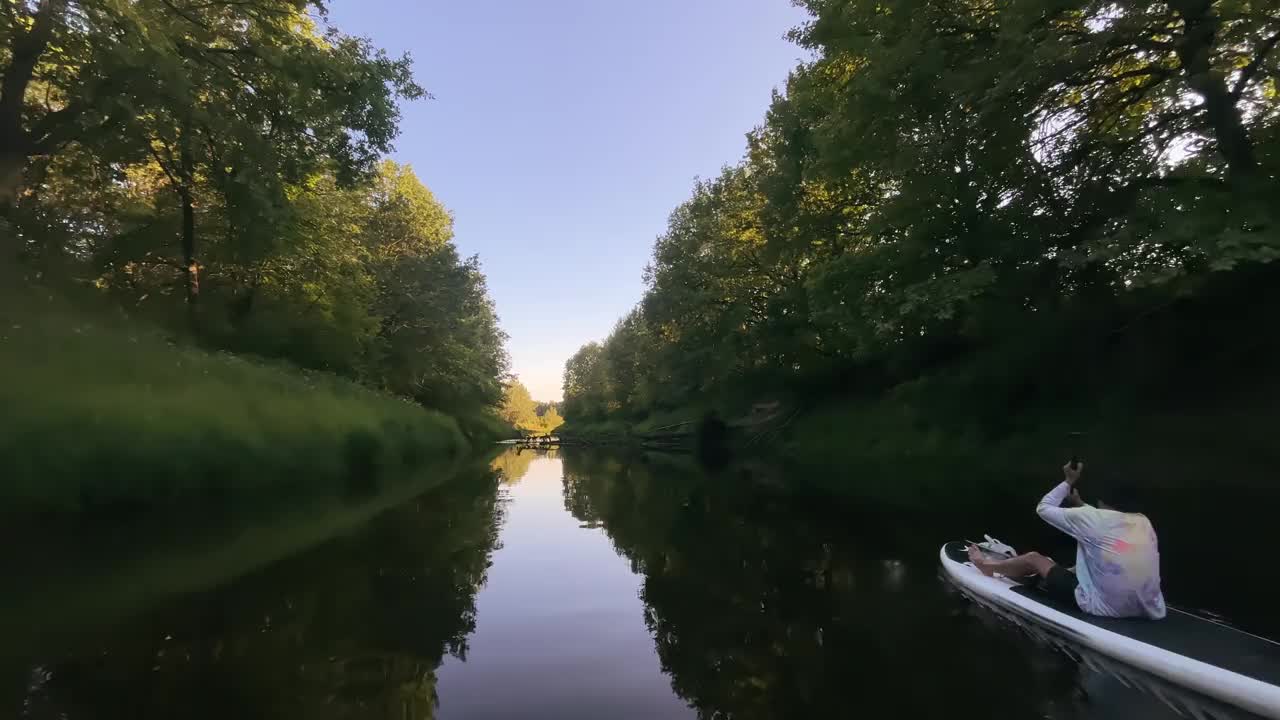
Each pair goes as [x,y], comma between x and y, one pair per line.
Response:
[563,133]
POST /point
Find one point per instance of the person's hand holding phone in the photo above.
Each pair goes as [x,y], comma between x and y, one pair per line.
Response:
[1072,474]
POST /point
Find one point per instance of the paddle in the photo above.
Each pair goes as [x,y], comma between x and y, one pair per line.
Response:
[1075,448]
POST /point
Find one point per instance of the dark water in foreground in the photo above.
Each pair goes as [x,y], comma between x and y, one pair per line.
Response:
[575,586]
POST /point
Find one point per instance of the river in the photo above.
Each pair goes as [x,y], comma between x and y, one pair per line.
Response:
[575,585]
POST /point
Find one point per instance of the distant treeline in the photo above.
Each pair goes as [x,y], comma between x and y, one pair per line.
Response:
[522,412]
[1024,198]
[217,166]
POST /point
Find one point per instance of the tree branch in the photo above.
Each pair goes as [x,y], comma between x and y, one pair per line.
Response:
[45,133]
[1246,74]
[1108,79]
[24,53]
[1195,47]
[173,180]
[180,12]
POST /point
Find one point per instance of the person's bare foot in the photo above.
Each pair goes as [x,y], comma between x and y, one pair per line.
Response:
[980,562]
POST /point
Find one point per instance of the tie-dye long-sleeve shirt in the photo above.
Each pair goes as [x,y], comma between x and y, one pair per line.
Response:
[1117,558]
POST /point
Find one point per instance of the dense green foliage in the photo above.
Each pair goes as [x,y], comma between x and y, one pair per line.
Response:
[217,167]
[215,171]
[986,206]
[520,411]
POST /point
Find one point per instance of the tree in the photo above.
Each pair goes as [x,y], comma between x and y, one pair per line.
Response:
[239,100]
[237,66]
[439,337]
[949,181]
[230,153]
[584,384]
[518,407]
[550,419]
[29,30]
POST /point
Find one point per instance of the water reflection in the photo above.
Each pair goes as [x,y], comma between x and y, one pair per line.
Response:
[578,585]
[513,464]
[765,603]
[561,632]
[354,628]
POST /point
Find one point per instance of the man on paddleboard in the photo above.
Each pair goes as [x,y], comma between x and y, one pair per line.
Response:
[1117,572]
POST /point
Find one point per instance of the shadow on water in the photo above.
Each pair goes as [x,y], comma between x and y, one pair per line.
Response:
[769,600]
[352,627]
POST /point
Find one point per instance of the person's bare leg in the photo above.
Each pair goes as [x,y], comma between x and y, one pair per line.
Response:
[1032,562]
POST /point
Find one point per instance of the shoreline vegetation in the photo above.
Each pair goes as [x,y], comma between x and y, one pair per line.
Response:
[893,452]
[218,293]
[108,416]
[965,234]
[526,416]
[1208,423]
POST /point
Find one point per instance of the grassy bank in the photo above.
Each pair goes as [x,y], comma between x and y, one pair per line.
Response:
[106,414]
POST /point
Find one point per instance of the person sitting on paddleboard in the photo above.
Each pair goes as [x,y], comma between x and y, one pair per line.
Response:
[1117,572]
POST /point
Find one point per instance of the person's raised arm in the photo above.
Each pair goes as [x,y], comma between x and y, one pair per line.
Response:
[1050,507]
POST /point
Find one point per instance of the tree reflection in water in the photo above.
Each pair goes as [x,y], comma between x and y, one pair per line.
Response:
[769,603]
[354,628]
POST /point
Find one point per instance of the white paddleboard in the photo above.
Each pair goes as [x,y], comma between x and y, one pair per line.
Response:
[1188,651]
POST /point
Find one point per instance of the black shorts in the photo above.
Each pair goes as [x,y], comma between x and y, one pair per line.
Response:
[1061,584]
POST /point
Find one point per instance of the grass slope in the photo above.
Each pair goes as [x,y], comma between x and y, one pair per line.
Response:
[102,413]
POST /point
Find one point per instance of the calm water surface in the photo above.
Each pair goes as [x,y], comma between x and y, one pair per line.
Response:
[560,629]
[581,585]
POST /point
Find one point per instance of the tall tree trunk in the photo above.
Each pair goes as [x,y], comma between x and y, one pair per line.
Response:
[13,162]
[1194,50]
[191,268]
[25,51]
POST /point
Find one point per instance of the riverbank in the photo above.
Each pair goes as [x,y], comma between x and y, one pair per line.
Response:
[1227,442]
[622,431]
[1221,434]
[109,417]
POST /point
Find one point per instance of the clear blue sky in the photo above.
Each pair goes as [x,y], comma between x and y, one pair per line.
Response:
[564,132]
